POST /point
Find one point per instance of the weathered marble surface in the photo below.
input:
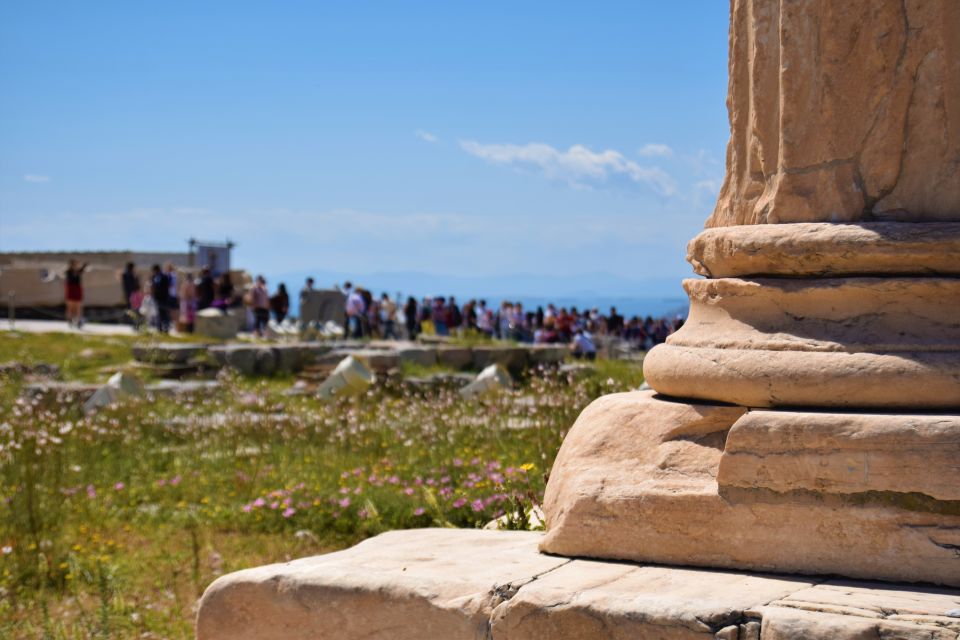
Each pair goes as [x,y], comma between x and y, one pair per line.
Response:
[637,478]
[443,584]
[842,111]
[827,250]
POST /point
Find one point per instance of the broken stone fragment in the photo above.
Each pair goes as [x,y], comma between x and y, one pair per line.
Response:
[350,377]
[119,387]
[493,378]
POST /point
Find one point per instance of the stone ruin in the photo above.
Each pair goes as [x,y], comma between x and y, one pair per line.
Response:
[804,423]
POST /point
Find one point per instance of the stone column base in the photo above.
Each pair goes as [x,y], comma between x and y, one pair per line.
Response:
[819,315]
[641,477]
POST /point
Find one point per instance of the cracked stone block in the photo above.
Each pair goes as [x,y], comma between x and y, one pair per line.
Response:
[467,584]
[399,585]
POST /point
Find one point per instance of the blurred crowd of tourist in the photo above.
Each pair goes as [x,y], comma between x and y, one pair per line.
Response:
[168,297]
[366,315]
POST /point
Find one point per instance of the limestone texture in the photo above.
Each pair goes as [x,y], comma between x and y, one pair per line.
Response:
[820,342]
[433,584]
[637,479]
[827,250]
[842,112]
[844,453]
[416,584]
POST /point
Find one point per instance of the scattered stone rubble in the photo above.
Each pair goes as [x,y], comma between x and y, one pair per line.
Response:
[350,377]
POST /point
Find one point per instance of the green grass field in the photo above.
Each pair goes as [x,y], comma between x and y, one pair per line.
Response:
[112,525]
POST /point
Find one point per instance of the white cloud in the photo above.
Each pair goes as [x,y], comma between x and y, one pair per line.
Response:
[711,186]
[32,177]
[578,166]
[655,150]
[426,136]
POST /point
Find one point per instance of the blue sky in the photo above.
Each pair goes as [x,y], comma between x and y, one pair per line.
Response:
[501,141]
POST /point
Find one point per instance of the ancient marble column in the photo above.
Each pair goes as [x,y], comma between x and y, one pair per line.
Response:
[806,416]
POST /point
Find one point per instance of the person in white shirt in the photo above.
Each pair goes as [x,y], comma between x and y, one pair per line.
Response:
[354,310]
[583,346]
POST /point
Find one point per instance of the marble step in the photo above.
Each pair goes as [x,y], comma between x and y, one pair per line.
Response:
[453,584]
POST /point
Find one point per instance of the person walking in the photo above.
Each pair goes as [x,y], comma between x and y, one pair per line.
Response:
[280,303]
[160,292]
[306,312]
[260,302]
[439,316]
[354,311]
[73,294]
[410,318]
[131,284]
[206,288]
[174,290]
[224,291]
[188,303]
[388,311]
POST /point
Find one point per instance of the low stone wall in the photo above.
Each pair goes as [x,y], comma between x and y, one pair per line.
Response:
[381,356]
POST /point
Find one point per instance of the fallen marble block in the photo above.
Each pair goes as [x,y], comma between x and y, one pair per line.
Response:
[121,386]
[350,377]
[493,378]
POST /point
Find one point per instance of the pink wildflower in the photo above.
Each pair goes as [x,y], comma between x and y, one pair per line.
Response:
[289,511]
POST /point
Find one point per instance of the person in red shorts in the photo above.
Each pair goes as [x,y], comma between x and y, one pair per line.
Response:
[74,293]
